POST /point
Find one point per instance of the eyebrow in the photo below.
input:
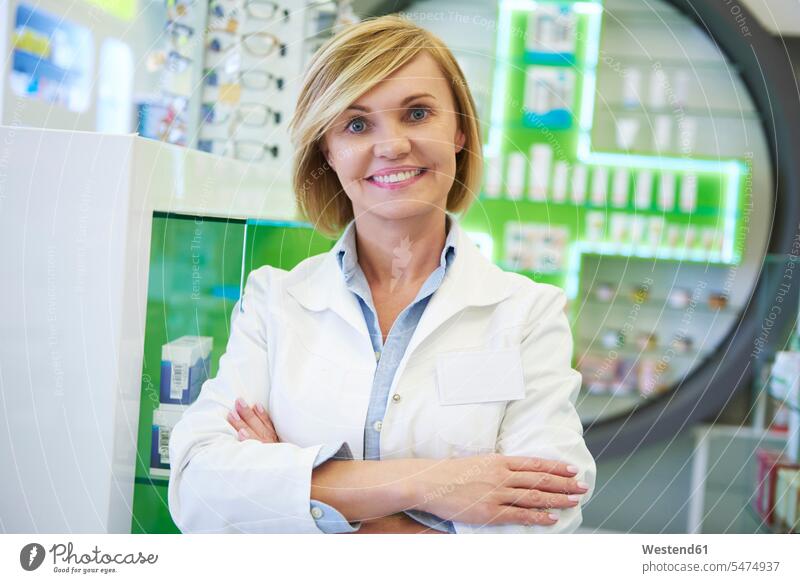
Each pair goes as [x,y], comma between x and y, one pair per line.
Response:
[406,100]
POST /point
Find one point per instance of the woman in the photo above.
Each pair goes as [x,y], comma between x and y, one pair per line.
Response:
[400,382]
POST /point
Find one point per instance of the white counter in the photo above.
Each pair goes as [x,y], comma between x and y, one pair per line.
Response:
[75,222]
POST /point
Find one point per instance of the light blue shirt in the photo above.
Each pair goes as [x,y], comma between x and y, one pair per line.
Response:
[388,355]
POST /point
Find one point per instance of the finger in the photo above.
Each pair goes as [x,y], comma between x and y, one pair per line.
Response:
[254,424]
[535,464]
[242,431]
[235,420]
[524,516]
[545,483]
[262,414]
[525,498]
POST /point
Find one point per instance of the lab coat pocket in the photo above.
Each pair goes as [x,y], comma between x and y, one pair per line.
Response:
[474,389]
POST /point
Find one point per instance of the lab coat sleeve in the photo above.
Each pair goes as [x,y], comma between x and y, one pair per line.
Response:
[544,423]
[219,484]
[329,520]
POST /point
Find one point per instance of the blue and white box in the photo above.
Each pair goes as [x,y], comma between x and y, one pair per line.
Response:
[165,417]
[184,369]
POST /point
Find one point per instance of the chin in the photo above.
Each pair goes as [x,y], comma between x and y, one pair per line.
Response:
[402,209]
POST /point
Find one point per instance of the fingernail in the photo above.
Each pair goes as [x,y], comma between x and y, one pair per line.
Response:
[241,403]
[234,415]
[583,485]
[574,498]
[244,434]
[572,469]
[552,516]
[260,408]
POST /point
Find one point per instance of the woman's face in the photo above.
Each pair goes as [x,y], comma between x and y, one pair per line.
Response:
[394,149]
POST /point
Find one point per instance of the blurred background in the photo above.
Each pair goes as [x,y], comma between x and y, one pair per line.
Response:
[634,155]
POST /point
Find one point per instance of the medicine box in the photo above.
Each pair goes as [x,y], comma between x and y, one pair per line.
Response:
[184,368]
[165,417]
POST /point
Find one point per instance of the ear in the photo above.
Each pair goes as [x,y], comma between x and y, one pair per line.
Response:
[326,152]
[460,140]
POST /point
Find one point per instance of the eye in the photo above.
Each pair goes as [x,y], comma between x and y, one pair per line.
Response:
[356,125]
[419,113]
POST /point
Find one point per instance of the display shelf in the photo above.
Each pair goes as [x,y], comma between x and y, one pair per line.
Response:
[152,481]
[667,62]
[723,471]
[583,346]
[656,304]
[644,109]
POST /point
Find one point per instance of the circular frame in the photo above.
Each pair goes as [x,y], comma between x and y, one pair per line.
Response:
[769,78]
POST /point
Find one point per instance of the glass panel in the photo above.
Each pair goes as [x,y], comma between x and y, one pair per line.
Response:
[197,268]
[194,279]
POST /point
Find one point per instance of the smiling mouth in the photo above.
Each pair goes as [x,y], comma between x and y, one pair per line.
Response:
[397,178]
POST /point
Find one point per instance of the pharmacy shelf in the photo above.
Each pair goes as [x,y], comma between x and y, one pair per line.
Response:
[584,347]
[661,305]
[666,62]
[645,110]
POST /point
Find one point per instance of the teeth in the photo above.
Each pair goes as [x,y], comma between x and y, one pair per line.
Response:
[398,177]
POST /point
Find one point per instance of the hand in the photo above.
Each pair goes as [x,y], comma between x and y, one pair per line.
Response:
[498,489]
[252,423]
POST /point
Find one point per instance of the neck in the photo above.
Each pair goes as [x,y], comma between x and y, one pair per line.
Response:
[400,252]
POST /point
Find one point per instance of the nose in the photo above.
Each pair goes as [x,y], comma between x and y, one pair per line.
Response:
[392,143]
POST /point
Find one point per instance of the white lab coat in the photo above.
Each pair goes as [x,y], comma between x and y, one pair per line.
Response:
[487,369]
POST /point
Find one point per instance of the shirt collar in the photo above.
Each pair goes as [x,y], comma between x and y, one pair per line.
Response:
[347,256]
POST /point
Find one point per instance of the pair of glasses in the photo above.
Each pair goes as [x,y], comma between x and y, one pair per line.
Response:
[247,150]
[258,44]
[179,32]
[180,7]
[247,114]
[256,9]
[176,62]
[255,80]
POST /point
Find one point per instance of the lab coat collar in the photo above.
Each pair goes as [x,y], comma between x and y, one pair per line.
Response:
[472,280]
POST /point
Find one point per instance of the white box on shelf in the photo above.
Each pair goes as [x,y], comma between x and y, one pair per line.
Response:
[621,187]
[599,185]
[631,87]
[688,197]
[643,196]
[662,134]
[494,177]
[579,177]
[560,181]
[666,191]
[658,89]
[541,160]
[515,184]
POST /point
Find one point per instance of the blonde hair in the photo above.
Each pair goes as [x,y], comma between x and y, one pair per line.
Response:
[343,69]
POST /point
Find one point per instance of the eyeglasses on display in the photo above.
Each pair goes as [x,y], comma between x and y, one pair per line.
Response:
[254,80]
[176,62]
[246,150]
[258,44]
[248,114]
